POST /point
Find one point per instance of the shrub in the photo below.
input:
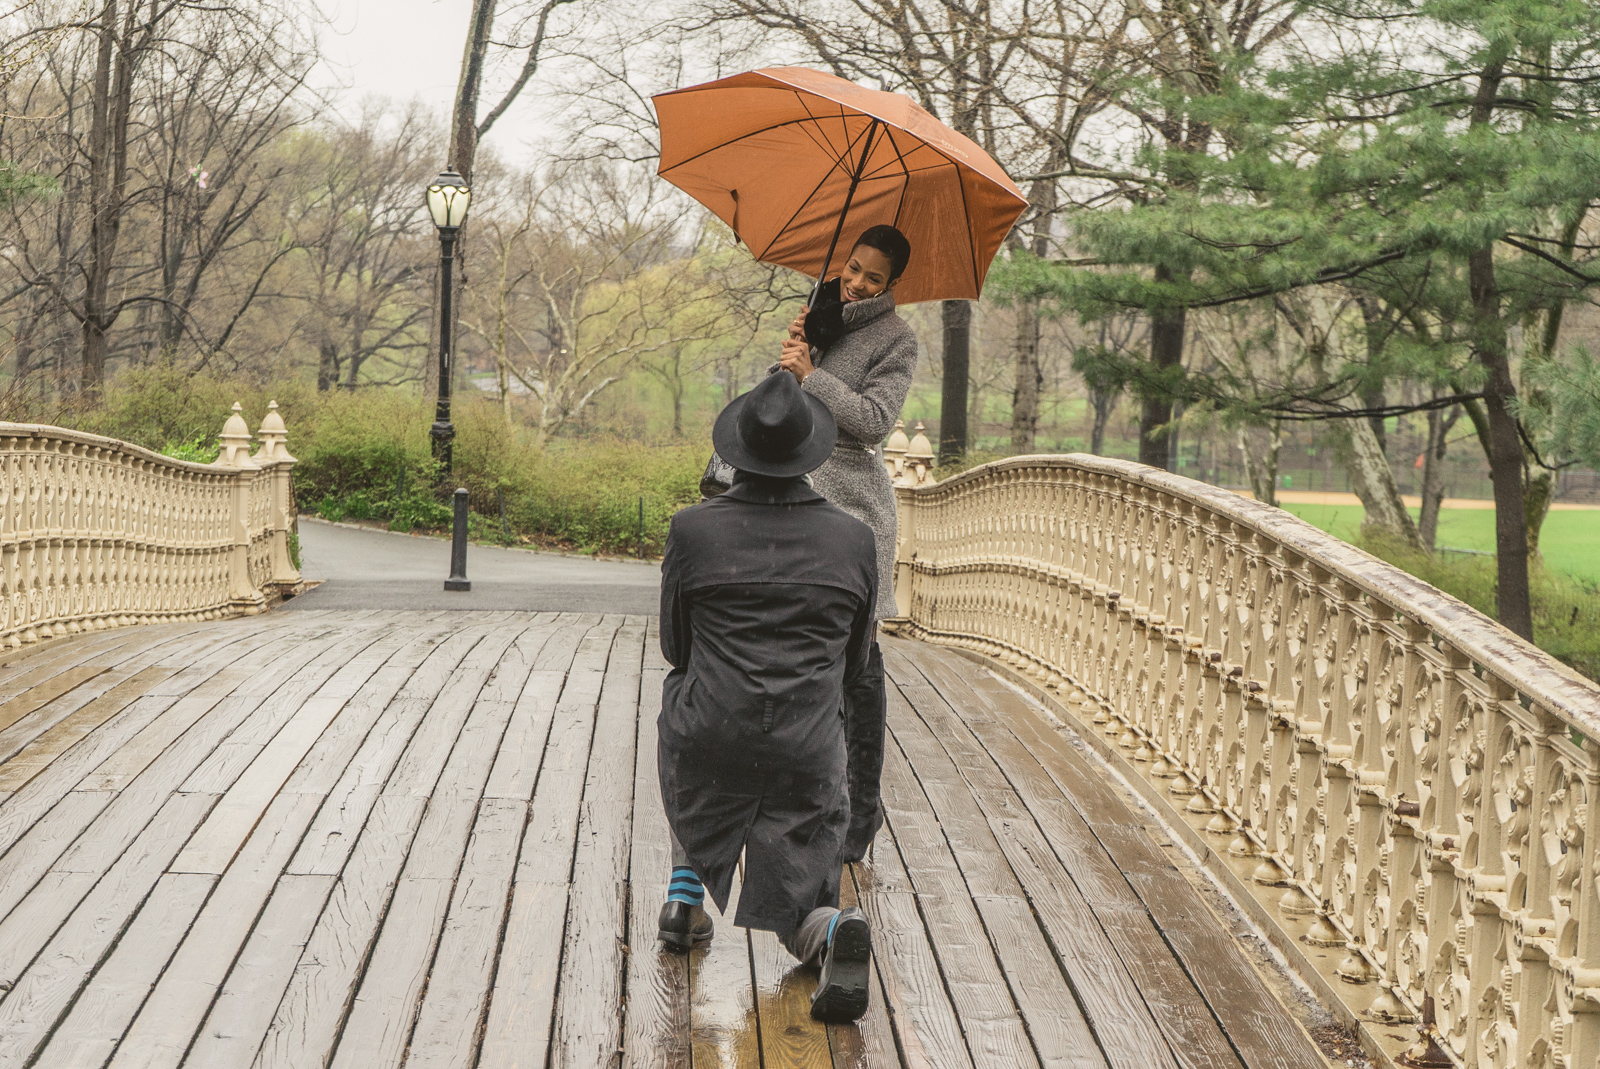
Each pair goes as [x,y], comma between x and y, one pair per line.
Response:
[1566,609]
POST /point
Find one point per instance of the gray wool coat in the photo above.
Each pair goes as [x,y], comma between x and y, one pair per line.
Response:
[863,377]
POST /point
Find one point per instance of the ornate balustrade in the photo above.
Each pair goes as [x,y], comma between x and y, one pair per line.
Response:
[98,533]
[1388,772]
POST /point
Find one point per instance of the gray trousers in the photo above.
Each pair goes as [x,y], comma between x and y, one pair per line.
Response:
[808,943]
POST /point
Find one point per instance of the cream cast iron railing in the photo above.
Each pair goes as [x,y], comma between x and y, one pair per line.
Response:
[1417,780]
[98,533]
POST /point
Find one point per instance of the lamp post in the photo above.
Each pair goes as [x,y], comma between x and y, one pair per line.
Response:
[448,198]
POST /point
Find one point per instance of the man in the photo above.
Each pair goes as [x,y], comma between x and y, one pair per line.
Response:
[767,595]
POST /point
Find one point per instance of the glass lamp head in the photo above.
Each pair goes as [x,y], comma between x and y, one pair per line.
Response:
[448,198]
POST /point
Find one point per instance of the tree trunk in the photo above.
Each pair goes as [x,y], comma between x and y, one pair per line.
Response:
[1513,599]
[1540,492]
[1373,481]
[1166,351]
[464,118]
[1102,401]
[1263,474]
[327,366]
[463,155]
[108,153]
[957,317]
[1025,400]
[1374,398]
[1433,477]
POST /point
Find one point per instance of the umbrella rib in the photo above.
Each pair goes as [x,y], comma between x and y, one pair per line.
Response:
[801,206]
[741,137]
[966,213]
[816,121]
[905,184]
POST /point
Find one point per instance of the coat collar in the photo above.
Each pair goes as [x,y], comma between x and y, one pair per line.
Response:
[857,314]
[761,490]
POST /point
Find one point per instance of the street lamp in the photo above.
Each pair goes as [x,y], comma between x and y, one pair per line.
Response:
[448,198]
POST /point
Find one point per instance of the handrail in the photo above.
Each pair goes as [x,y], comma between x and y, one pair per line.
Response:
[96,532]
[1302,698]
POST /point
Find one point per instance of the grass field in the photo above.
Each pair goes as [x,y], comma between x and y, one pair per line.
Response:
[1570,541]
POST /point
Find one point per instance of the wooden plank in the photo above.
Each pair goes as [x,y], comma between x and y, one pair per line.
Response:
[71,769]
[32,759]
[36,918]
[89,1033]
[29,666]
[353,795]
[233,1030]
[588,1022]
[225,830]
[1060,1033]
[869,1042]
[913,990]
[656,1023]
[344,742]
[209,685]
[425,757]
[790,1037]
[723,1030]
[976,981]
[227,762]
[45,842]
[1135,1015]
[451,754]
[46,690]
[522,1001]
[307,1019]
[167,1022]
[451,1017]
[44,990]
[385,1006]
[1259,1028]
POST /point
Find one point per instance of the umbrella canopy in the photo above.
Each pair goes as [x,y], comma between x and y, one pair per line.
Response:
[787,156]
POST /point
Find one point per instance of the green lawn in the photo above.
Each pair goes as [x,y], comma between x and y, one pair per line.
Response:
[1569,543]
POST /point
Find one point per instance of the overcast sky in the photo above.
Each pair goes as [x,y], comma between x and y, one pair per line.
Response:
[410,48]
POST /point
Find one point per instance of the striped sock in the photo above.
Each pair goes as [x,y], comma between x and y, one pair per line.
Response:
[685,887]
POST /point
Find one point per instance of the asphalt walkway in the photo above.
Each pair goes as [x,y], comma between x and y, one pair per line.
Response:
[360,568]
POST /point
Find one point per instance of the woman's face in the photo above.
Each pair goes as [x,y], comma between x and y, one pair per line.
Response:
[865,274]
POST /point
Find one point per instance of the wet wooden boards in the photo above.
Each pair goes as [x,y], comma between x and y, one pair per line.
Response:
[435,840]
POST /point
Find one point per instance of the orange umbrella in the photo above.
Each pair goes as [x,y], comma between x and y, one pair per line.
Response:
[783,155]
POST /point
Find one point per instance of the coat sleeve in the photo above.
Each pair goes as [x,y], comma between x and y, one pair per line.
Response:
[869,415]
[675,630]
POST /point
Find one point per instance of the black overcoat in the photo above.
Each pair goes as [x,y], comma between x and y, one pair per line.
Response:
[767,594]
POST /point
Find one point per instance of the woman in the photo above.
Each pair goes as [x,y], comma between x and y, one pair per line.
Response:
[856,355]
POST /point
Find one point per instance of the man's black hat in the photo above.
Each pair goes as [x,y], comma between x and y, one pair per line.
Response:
[776,429]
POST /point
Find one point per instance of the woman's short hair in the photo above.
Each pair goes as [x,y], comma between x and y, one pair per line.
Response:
[889,241]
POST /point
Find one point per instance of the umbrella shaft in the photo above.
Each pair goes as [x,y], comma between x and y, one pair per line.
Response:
[850,195]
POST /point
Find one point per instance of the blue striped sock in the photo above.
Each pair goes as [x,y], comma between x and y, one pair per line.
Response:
[685,887]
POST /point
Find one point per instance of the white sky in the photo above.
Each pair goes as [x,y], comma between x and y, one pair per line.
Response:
[411,48]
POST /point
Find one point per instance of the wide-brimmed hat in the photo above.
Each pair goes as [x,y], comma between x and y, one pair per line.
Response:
[776,429]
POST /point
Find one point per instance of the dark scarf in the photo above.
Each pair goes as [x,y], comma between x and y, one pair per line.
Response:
[828,321]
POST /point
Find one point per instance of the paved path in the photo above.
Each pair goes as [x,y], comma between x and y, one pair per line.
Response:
[366,569]
[368,839]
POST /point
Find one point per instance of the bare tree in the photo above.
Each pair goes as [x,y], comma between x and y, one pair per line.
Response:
[364,248]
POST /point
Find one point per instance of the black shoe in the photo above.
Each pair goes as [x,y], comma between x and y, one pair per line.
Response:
[683,926]
[842,988]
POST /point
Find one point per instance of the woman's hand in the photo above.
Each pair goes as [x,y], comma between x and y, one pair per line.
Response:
[797,329]
[797,358]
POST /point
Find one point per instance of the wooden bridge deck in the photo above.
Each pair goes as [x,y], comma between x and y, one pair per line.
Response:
[434,839]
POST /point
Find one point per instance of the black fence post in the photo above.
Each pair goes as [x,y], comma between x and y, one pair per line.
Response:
[458,546]
[639,541]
